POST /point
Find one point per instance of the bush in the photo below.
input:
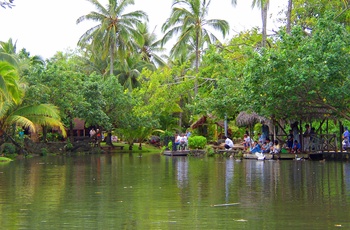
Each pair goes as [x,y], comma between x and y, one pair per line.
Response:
[44,152]
[197,142]
[8,148]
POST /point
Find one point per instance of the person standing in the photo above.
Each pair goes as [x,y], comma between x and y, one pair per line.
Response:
[306,137]
[265,131]
[92,132]
[295,129]
[290,140]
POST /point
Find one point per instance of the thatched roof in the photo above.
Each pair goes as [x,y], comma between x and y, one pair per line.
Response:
[199,122]
[202,120]
[246,119]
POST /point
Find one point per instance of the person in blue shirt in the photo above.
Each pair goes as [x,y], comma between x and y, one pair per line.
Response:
[296,147]
[255,148]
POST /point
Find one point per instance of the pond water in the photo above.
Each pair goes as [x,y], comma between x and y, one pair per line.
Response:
[151,191]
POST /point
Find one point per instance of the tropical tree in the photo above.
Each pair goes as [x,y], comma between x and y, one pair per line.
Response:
[263,5]
[14,112]
[289,16]
[129,70]
[21,60]
[306,13]
[306,75]
[150,47]
[10,90]
[188,17]
[115,32]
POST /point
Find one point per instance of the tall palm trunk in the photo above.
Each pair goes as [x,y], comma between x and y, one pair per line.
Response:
[264,23]
[289,16]
[197,63]
[111,65]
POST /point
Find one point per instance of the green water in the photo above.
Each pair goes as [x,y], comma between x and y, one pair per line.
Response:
[129,191]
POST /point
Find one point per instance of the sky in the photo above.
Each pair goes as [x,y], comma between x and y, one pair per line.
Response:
[44,27]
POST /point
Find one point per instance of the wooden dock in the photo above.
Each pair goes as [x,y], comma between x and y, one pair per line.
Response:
[283,156]
[193,152]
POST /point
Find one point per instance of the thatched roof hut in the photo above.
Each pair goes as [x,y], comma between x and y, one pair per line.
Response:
[249,119]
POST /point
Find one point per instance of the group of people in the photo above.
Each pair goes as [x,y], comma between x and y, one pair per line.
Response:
[181,141]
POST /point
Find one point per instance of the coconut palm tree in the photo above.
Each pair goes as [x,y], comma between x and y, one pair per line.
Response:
[22,60]
[10,90]
[115,31]
[130,69]
[263,5]
[188,18]
[289,16]
[150,46]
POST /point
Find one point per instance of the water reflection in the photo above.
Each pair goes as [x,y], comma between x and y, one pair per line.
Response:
[181,166]
[128,191]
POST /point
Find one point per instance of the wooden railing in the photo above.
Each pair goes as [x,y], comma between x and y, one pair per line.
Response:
[318,143]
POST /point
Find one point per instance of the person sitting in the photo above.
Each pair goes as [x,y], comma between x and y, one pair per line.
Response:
[345,143]
[255,147]
[266,148]
[261,139]
[247,141]
[183,142]
[296,147]
[276,148]
[177,142]
[228,143]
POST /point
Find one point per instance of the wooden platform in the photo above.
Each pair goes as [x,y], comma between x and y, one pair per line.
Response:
[283,156]
[184,153]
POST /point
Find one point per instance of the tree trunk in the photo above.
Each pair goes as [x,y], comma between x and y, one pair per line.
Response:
[197,64]
[109,139]
[111,64]
[289,16]
[264,23]
[71,131]
[44,133]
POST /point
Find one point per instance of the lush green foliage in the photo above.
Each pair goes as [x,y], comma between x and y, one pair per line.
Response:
[197,142]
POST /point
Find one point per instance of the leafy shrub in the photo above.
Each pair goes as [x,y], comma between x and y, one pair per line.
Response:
[8,148]
[210,151]
[44,152]
[197,142]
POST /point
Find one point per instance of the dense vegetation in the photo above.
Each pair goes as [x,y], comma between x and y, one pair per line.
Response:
[118,80]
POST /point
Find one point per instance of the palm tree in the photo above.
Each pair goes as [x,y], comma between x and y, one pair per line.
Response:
[150,46]
[10,90]
[12,112]
[289,16]
[263,5]
[22,60]
[130,69]
[188,17]
[115,32]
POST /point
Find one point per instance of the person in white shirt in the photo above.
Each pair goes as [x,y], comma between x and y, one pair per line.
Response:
[228,143]
[183,142]
[177,142]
